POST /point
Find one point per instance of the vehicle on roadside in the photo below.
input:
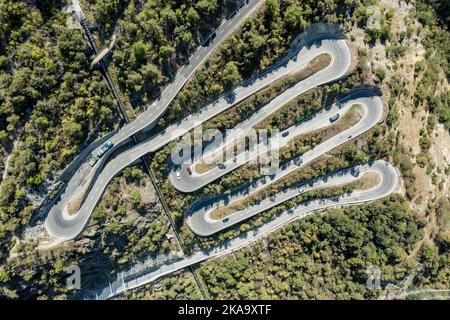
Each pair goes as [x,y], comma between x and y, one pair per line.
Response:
[301,190]
[285,134]
[108,145]
[226,220]
[178,175]
[93,159]
[222,166]
[335,117]
[189,170]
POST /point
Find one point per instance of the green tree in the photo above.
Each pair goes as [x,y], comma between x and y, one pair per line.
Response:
[230,74]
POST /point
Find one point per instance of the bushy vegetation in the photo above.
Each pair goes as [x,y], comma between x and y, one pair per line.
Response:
[50,100]
[435,16]
[320,257]
[180,286]
[155,38]
[262,41]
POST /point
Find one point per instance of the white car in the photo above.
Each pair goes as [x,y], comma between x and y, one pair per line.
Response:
[178,175]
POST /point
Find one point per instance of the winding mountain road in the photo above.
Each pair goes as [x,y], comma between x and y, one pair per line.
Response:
[93,181]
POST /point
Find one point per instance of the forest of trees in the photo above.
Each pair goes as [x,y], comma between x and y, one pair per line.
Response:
[51,100]
[262,41]
[153,43]
[126,228]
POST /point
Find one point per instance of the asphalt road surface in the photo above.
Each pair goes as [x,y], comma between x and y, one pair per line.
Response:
[61,225]
[199,219]
[367,99]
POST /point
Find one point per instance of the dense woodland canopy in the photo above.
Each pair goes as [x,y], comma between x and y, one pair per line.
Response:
[50,101]
[320,257]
